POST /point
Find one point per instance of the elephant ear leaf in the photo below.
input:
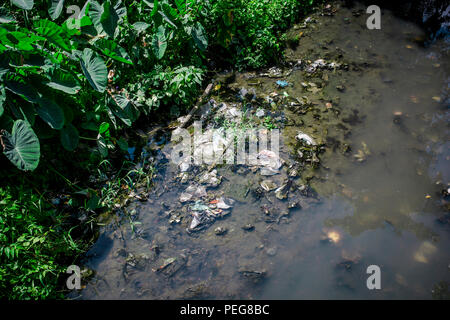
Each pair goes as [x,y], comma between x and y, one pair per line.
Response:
[55,9]
[94,69]
[109,19]
[69,137]
[2,99]
[113,50]
[51,113]
[22,146]
[23,4]
[199,35]
[64,81]
[159,42]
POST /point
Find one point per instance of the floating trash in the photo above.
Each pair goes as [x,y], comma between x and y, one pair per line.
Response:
[210,179]
[282,83]
[303,136]
[268,185]
[270,162]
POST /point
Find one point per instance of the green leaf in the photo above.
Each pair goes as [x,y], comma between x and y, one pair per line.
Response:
[94,69]
[120,9]
[104,127]
[124,109]
[2,99]
[51,113]
[123,144]
[153,5]
[24,4]
[55,9]
[23,110]
[109,19]
[19,40]
[21,87]
[159,42]
[5,16]
[181,5]
[94,10]
[170,12]
[140,26]
[105,17]
[52,32]
[199,35]
[102,147]
[64,81]
[113,50]
[168,20]
[69,137]
[94,201]
[22,146]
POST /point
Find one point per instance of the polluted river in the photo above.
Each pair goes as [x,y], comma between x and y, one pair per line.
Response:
[361,178]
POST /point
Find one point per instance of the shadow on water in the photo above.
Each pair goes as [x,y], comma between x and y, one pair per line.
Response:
[380,194]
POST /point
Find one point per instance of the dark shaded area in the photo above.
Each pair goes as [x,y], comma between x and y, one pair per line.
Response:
[432,15]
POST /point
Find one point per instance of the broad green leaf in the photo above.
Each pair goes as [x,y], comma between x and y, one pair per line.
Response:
[153,5]
[18,40]
[95,10]
[106,17]
[5,16]
[19,86]
[52,32]
[120,9]
[104,127]
[113,50]
[94,69]
[109,19]
[51,113]
[159,42]
[102,147]
[181,5]
[140,26]
[22,146]
[123,144]
[168,20]
[23,110]
[55,9]
[24,4]
[170,12]
[124,109]
[64,81]
[2,99]
[69,137]
[199,35]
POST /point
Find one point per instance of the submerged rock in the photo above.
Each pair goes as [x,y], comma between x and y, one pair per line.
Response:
[219,231]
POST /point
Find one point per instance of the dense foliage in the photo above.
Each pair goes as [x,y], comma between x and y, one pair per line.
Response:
[74,76]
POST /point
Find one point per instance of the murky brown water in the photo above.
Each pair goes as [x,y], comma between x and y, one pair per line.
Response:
[377,203]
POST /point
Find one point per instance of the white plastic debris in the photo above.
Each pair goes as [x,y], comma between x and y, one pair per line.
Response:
[225,203]
[210,179]
[260,113]
[270,162]
[303,136]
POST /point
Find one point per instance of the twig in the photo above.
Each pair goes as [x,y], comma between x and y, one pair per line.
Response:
[196,107]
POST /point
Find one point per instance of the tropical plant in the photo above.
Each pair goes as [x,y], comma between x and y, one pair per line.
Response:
[71,76]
